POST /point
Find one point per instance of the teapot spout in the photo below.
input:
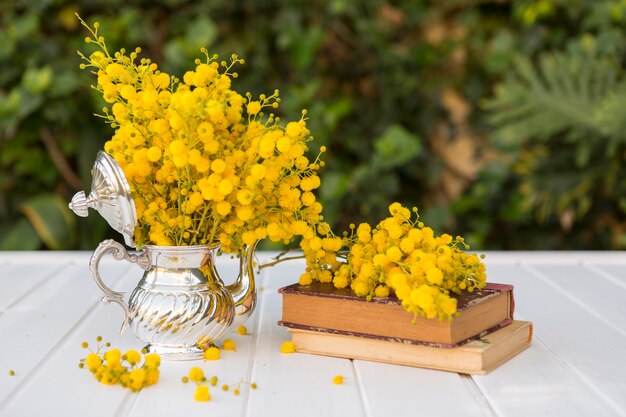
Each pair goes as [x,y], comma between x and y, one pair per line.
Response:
[243,290]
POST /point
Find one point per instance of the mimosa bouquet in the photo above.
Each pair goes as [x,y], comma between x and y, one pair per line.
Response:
[208,166]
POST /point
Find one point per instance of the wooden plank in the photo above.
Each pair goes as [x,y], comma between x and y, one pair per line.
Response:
[45,257]
[613,273]
[295,384]
[232,369]
[394,390]
[536,382]
[588,289]
[587,366]
[17,281]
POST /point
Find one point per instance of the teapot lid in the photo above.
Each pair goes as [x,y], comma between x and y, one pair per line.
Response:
[110,196]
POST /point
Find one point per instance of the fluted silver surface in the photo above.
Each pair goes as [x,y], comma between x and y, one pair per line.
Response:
[179,318]
[180,305]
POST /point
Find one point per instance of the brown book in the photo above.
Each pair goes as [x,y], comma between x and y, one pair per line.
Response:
[474,357]
[325,308]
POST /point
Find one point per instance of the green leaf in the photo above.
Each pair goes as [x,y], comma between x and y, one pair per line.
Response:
[304,51]
[202,32]
[334,185]
[64,84]
[21,236]
[396,146]
[10,104]
[562,94]
[336,111]
[37,80]
[51,219]
[7,45]
[25,26]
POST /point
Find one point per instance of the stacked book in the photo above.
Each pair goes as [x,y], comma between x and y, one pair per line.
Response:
[328,321]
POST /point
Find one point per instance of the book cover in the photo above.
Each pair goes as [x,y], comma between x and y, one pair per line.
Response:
[323,307]
[474,357]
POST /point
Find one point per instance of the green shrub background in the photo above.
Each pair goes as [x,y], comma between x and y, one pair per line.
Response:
[502,121]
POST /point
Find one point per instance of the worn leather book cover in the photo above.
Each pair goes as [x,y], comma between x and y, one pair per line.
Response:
[322,307]
[478,356]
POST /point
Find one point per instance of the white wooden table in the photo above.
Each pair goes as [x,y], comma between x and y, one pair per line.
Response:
[576,365]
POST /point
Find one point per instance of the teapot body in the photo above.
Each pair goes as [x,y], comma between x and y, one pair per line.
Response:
[180,306]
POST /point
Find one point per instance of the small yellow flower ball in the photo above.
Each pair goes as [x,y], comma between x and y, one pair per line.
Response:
[154,154]
[112,357]
[229,344]
[287,347]
[196,374]
[338,380]
[132,356]
[202,393]
[152,376]
[153,360]
[242,330]
[381,291]
[434,276]
[136,379]
[394,254]
[305,279]
[253,108]
[293,129]
[212,353]
[93,362]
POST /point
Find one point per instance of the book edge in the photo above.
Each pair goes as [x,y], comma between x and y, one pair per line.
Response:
[480,335]
[471,371]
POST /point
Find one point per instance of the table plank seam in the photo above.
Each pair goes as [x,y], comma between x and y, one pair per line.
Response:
[127,404]
[35,287]
[574,299]
[40,366]
[358,378]
[583,378]
[245,409]
[606,275]
[478,395]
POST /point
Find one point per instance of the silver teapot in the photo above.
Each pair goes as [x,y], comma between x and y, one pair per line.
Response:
[180,305]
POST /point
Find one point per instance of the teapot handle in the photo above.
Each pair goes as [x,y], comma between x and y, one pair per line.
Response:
[243,290]
[119,253]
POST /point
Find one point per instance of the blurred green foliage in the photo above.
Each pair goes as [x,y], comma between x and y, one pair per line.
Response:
[500,121]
